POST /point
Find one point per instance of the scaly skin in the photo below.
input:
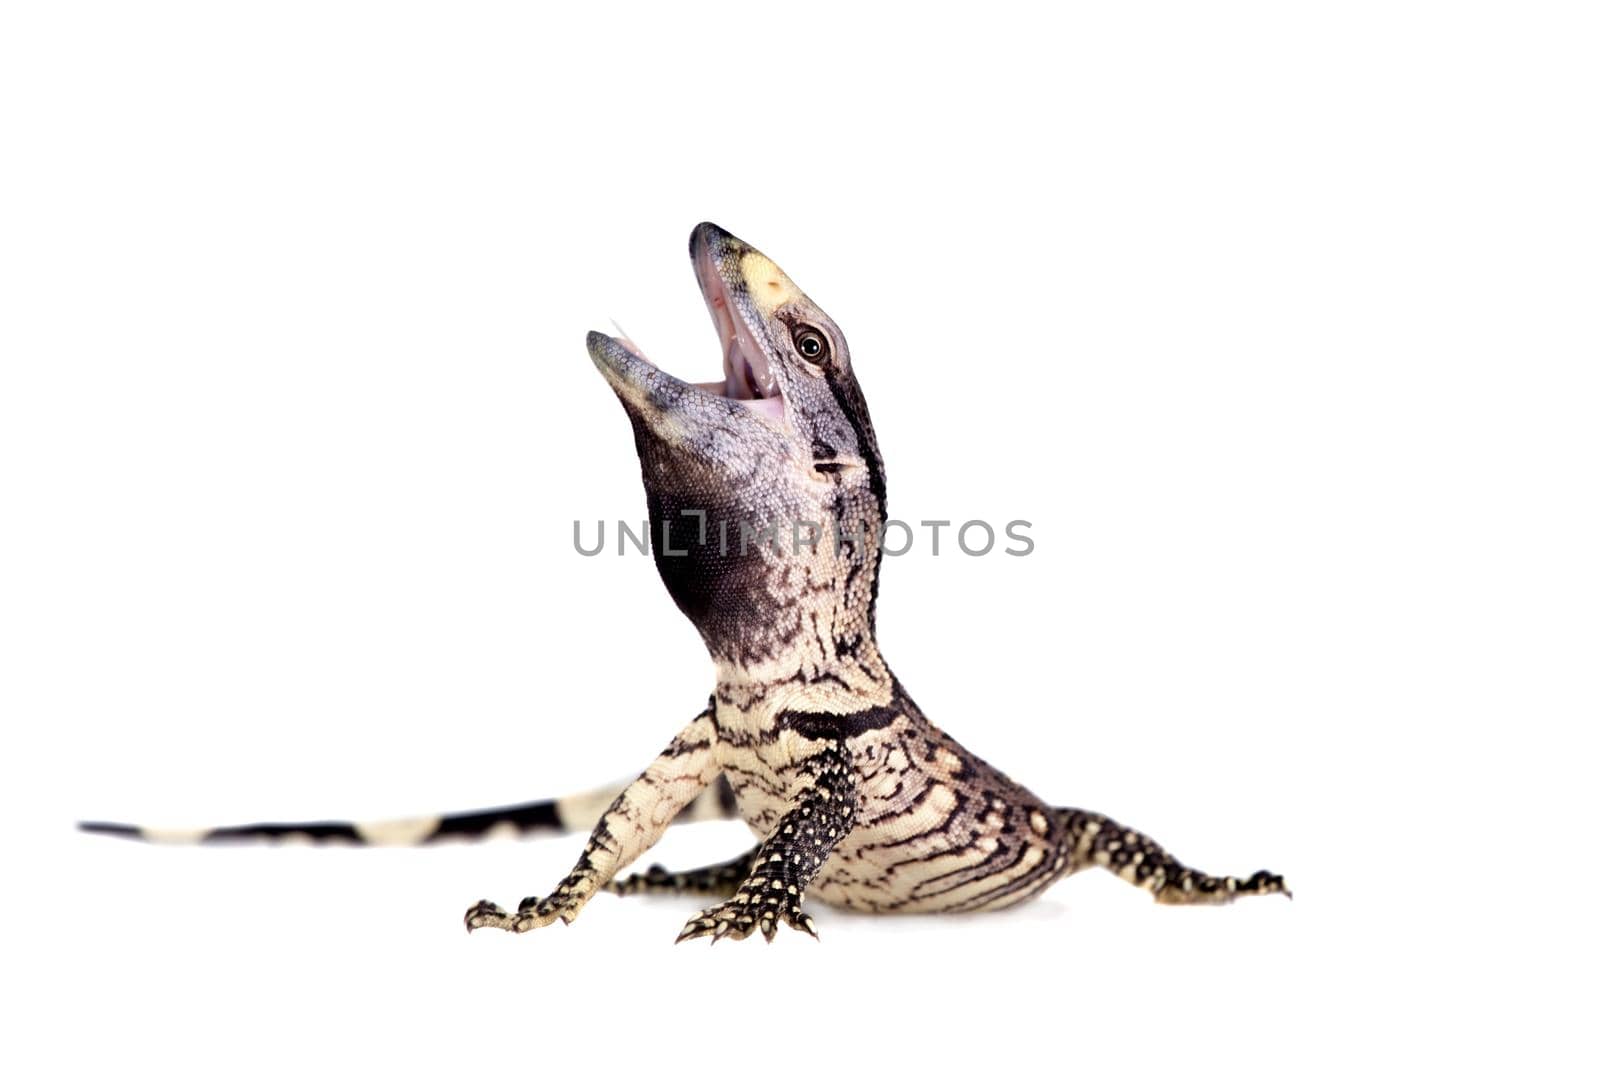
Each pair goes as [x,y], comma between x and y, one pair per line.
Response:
[857,797]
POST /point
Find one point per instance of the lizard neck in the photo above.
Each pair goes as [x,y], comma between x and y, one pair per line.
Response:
[779,575]
[809,623]
[818,672]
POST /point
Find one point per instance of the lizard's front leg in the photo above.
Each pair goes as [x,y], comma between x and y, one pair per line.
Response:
[822,813]
[633,822]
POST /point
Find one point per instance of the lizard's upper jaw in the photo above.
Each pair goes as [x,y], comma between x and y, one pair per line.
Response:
[747,371]
[748,380]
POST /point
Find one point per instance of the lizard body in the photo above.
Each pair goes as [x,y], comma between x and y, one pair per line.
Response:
[858,799]
[767,505]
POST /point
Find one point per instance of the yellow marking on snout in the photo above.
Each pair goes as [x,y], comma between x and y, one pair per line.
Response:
[768,286]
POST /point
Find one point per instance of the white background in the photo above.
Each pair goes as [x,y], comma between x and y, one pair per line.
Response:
[1277,323]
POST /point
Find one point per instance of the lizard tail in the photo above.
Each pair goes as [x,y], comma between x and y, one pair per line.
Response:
[579,811]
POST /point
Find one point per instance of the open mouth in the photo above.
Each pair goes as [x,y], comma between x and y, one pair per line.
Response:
[747,375]
[746,371]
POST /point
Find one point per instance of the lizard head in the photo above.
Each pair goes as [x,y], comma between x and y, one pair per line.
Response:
[743,473]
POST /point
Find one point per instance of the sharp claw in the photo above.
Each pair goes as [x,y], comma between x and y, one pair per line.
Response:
[695,927]
[482,914]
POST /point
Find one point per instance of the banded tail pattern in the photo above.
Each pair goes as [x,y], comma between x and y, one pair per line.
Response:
[569,814]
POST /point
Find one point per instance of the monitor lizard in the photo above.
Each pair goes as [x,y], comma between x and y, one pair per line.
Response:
[858,800]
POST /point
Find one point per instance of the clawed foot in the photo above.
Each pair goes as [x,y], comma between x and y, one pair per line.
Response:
[751,909]
[1262,883]
[1203,889]
[532,913]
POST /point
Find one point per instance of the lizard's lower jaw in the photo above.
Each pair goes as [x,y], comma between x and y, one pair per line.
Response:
[645,388]
[748,379]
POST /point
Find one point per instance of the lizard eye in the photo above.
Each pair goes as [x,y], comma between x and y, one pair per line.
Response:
[812,346]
